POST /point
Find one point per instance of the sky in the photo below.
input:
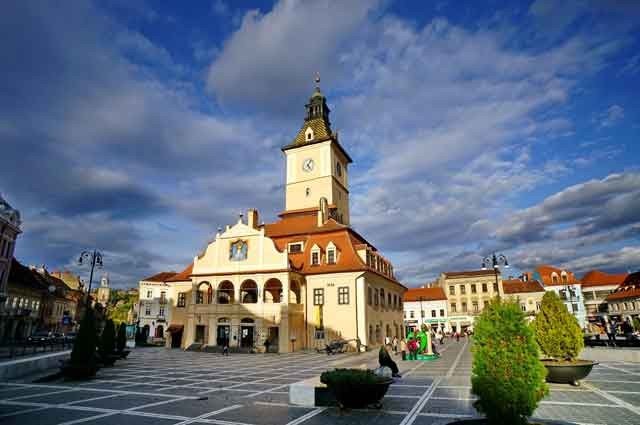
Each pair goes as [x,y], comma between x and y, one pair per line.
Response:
[138,128]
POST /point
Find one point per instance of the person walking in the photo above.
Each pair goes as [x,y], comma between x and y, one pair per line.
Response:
[611,332]
[457,336]
[394,344]
[384,358]
[225,347]
[412,345]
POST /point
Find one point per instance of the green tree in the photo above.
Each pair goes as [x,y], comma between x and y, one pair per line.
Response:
[636,324]
[84,347]
[122,337]
[507,375]
[107,342]
[557,331]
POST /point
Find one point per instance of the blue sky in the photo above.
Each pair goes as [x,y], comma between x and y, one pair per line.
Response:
[139,128]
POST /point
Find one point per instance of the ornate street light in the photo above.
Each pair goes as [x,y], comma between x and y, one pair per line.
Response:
[95,259]
[495,261]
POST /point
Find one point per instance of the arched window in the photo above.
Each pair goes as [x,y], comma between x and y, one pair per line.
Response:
[249,292]
[204,294]
[563,277]
[294,292]
[225,292]
[554,278]
[332,254]
[272,291]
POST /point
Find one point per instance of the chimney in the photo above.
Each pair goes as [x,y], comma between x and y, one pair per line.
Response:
[323,212]
[252,217]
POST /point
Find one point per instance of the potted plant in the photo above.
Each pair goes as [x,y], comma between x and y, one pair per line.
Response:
[355,388]
[108,344]
[83,364]
[121,341]
[559,337]
[507,375]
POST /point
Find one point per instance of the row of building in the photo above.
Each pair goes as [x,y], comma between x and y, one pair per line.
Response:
[33,299]
[455,299]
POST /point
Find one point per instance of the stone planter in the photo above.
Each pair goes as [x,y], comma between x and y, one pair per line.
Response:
[78,372]
[562,372]
[360,395]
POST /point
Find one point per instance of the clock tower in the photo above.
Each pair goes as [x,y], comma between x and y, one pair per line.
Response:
[317,166]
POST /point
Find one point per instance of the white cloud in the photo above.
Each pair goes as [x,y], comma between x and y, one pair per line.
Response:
[612,116]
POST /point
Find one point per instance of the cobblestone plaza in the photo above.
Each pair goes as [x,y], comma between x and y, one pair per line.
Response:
[159,386]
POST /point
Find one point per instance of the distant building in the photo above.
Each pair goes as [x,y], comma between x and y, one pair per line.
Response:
[566,285]
[9,231]
[468,292]
[624,302]
[596,287]
[527,293]
[426,306]
[153,312]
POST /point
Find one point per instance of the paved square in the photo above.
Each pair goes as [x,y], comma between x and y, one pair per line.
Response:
[159,386]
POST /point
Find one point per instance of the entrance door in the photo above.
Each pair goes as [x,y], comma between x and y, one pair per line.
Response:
[176,339]
[273,339]
[200,329]
[246,336]
[222,335]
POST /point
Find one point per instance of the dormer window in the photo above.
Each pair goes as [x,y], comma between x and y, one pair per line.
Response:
[331,253]
[295,248]
[315,256]
[308,134]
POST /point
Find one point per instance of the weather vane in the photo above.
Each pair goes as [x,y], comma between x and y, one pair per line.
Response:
[317,79]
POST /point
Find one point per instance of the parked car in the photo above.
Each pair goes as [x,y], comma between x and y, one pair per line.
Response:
[42,337]
[57,337]
[69,337]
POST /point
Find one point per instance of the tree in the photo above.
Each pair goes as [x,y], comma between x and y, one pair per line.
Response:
[122,337]
[84,347]
[507,375]
[636,324]
[107,342]
[557,331]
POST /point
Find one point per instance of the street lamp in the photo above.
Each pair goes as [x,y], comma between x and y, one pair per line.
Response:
[95,259]
[495,261]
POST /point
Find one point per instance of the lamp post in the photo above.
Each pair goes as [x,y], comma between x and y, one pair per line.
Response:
[95,259]
[421,315]
[495,261]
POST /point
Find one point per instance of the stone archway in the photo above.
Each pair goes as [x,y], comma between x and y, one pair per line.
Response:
[272,291]
[294,292]
[249,292]
[204,294]
[225,292]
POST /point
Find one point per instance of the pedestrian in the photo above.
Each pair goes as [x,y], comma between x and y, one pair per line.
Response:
[387,340]
[384,358]
[225,347]
[457,336]
[403,348]
[412,345]
[394,344]
[266,345]
[611,332]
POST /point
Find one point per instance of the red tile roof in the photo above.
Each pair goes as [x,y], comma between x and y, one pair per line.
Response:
[427,294]
[545,271]
[183,276]
[630,288]
[517,286]
[160,277]
[598,278]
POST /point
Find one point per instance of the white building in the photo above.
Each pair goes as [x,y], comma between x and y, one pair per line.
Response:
[154,311]
[426,306]
[9,231]
[566,285]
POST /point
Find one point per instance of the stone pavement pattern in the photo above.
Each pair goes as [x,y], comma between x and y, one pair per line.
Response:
[158,386]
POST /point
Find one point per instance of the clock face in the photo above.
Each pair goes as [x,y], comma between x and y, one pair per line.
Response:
[307,165]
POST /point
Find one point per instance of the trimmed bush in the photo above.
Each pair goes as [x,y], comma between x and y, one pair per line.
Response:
[636,324]
[557,331]
[108,340]
[351,376]
[84,346]
[507,375]
[121,342]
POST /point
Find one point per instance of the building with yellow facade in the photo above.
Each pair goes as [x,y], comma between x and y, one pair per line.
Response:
[299,282]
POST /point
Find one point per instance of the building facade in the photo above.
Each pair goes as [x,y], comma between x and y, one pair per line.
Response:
[527,293]
[153,304]
[566,285]
[624,302]
[596,287]
[426,307]
[468,292]
[9,231]
[299,282]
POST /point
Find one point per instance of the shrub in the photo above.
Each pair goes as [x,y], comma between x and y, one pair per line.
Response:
[84,346]
[507,376]
[122,337]
[557,331]
[342,377]
[636,324]
[107,342]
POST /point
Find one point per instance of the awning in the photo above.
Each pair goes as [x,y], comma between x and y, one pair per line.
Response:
[175,328]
